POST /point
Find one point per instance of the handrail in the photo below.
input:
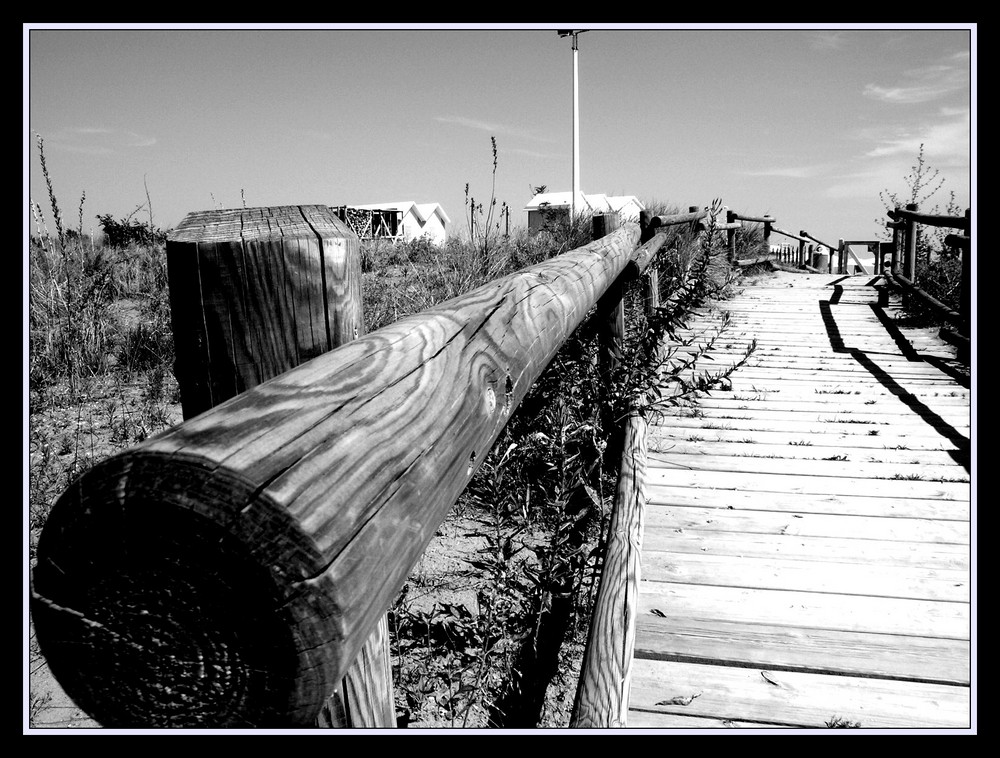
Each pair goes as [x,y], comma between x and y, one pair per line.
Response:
[254,520]
[906,214]
[789,234]
[902,270]
[755,219]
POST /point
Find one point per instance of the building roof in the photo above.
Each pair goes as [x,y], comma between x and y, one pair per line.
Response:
[597,203]
[422,211]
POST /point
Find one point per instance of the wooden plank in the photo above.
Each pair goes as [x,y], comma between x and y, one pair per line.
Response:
[849,399]
[728,480]
[692,724]
[797,547]
[809,524]
[796,438]
[848,613]
[914,582]
[788,648]
[855,504]
[795,699]
[905,428]
[772,464]
[848,455]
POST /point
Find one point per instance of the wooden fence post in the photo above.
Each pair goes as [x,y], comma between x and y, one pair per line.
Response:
[910,246]
[802,254]
[909,254]
[896,243]
[965,295]
[254,292]
[611,327]
[731,236]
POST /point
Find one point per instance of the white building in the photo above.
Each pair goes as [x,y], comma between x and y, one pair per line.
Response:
[553,205]
[413,220]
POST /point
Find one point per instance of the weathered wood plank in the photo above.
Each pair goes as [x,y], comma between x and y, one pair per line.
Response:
[809,524]
[794,437]
[795,699]
[914,582]
[846,549]
[805,649]
[849,613]
[855,504]
[785,452]
[730,480]
[772,464]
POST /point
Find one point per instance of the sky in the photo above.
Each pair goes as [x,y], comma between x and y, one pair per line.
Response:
[808,124]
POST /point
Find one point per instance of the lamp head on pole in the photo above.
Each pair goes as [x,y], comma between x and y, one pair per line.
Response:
[571,33]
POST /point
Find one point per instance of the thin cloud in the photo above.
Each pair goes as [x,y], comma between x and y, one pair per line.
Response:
[138,140]
[926,83]
[494,128]
[950,139]
[789,172]
[829,41]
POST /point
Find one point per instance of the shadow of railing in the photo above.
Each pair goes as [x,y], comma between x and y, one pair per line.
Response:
[961,454]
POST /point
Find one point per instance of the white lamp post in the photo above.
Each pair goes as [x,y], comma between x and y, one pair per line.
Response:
[576,118]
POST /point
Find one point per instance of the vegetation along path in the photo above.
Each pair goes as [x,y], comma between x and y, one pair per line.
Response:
[806,548]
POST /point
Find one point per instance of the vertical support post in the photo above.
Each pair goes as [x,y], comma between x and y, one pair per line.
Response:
[645,230]
[910,246]
[651,293]
[767,237]
[610,322]
[695,226]
[965,295]
[802,254]
[731,236]
[242,297]
[841,256]
[909,252]
[896,243]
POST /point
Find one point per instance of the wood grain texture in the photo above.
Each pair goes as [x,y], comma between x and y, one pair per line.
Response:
[793,699]
[807,541]
[257,291]
[603,690]
[327,481]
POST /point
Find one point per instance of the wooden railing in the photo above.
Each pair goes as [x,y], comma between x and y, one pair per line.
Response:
[901,268]
[229,571]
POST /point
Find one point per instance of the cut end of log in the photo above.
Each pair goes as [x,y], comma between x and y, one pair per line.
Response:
[154,616]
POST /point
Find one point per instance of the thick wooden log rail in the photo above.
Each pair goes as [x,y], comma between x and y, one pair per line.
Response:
[226,572]
[229,571]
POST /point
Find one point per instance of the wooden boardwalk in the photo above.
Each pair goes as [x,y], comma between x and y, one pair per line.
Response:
[806,548]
